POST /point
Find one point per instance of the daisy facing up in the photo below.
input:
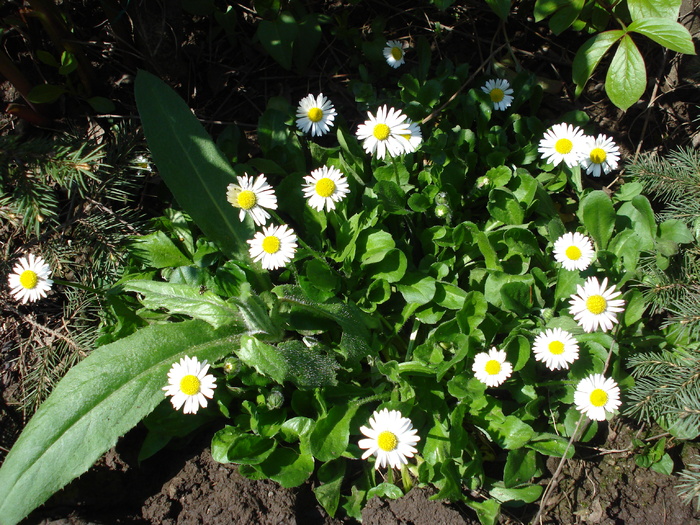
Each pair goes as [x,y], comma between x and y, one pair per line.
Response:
[252,197]
[190,385]
[556,348]
[596,395]
[390,437]
[394,52]
[30,281]
[324,187]
[274,247]
[600,155]
[500,92]
[594,305]
[315,114]
[491,368]
[384,132]
[574,251]
[562,143]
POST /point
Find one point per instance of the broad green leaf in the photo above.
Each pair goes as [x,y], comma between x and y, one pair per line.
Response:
[488,511]
[665,32]
[503,206]
[417,289]
[565,16]
[642,9]
[385,490]
[500,7]
[230,445]
[525,494]
[98,400]
[330,476]
[277,37]
[598,216]
[544,8]
[377,245]
[626,79]
[305,48]
[288,467]
[552,445]
[590,54]
[392,197]
[521,467]
[157,250]
[45,93]
[331,435]
[196,172]
[185,299]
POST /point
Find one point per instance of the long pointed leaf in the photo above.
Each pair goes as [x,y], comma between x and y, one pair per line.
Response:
[98,401]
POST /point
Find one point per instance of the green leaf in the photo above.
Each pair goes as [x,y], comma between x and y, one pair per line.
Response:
[590,54]
[330,475]
[97,401]
[288,467]
[665,32]
[416,289]
[598,216]
[544,8]
[45,93]
[392,197]
[385,490]
[196,172]
[277,37]
[526,494]
[565,16]
[185,299]
[157,250]
[331,435]
[500,7]
[488,511]
[521,467]
[626,79]
[305,47]
[642,9]
[377,246]
[552,445]
[230,445]
[503,206]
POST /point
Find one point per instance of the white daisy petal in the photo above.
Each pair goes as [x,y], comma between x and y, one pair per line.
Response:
[491,368]
[500,92]
[190,385]
[324,187]
[556,348]
[595,306]
[390,437]
[600,155]
[315,114]
[596,395]
[252,197]
[388,131]
[30,281]
[562,143]
[574,251]
[274,247]
[394,52]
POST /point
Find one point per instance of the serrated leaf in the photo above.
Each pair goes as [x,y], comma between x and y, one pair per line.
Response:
[626,79]
[98,400]
[590,54]
[665,32]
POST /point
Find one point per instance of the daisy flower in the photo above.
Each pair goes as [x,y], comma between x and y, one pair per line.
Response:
[491,368]
[30,281]
[252,197]
[394,53]
[390,437]
[500,92]
[190,385]
[574,251]
[324,187]
[315,114]
[596,395]
[275,246]
[385,132]
[600,155]
[414,136]
[595,305]
[562,143]
[556,348]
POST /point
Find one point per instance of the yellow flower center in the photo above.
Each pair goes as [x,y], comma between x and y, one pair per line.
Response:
[573,253]
[246,199]
[563,146]
[325,187]
[598,155]
[387,441]
[189,385]
[28,279]
[556,347]
[381,131]
[271,244]
[397,53]
[315,114]
[497,95]
[596,304]
[492,367]
[599,397]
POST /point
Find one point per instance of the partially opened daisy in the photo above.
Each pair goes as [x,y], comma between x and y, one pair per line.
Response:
[500,92]
[315,114]
[562,143]
[394,52]
[574,251]
[252,197]
[190,385]
[30,281]
[491,368]
[556,348]
[600,155]
[324,187]
[390,437]
[274,247]
[384,132]
[595,305]
[596,395]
